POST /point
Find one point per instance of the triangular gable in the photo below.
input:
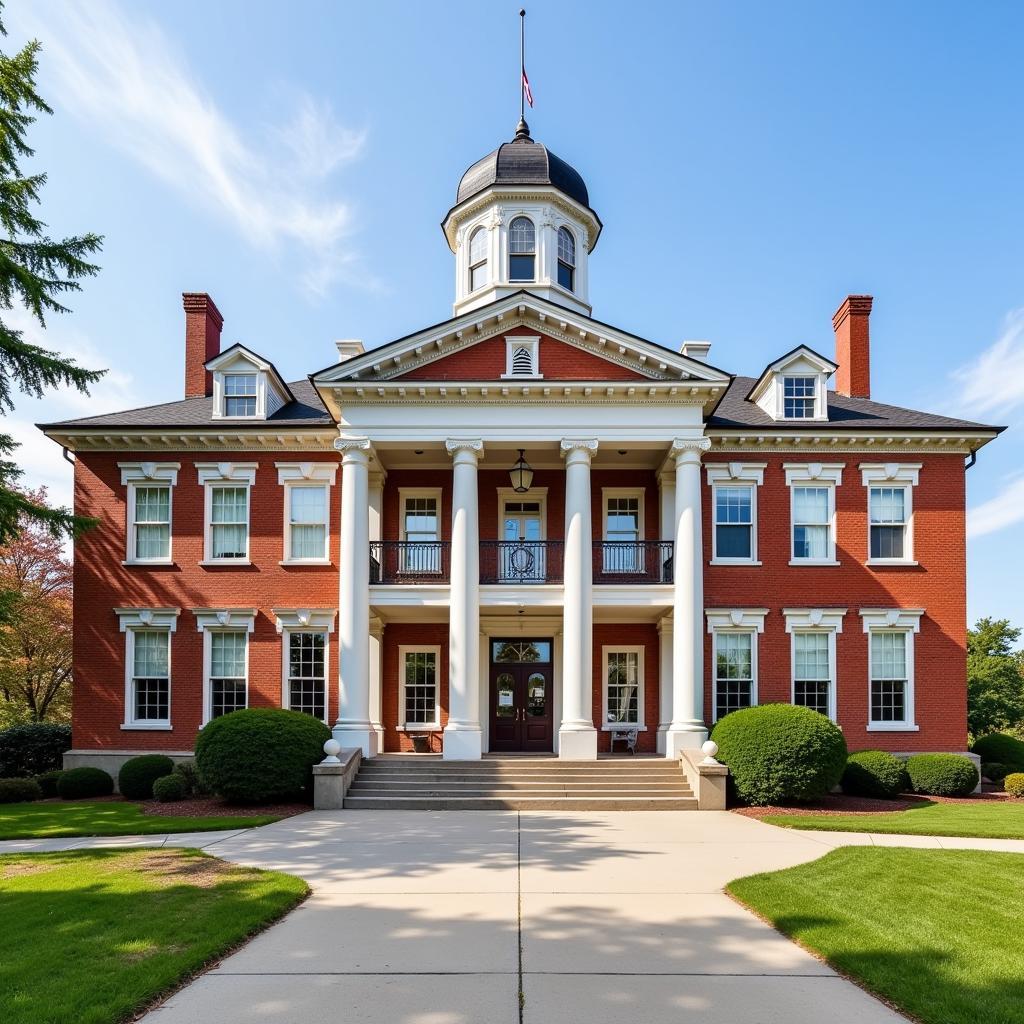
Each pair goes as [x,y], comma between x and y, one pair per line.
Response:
[472,347]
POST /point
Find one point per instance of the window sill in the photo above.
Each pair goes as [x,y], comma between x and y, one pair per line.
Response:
[893,727]
[144,563]
[304,561]
[147,727]
[222,563]
[735,561]
[816,562]
[417,728]
[890,562]
[623,727]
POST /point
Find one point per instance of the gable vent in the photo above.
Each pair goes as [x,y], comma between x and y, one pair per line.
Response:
[522,362]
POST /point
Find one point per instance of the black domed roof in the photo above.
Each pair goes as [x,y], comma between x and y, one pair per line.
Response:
[522,162]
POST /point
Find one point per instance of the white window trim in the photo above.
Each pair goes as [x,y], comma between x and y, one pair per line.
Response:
[231,474]
[814,474]
[147,474]
[420,492]
[537,494]
[639,725]
[734,620]
[403,650]
[624,492]
[819,396]
[221,620]
[893,474]
[530,342]
[306,474]
[735,474]
[130,620]
[305,620]
[890,620]
[816,620]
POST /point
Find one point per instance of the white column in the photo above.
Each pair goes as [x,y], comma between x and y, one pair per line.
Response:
[686,730]
[462,736]
[577,737]
[664,679]
[353,728]
[376,669]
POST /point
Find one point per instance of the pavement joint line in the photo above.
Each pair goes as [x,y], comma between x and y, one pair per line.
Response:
[519,912]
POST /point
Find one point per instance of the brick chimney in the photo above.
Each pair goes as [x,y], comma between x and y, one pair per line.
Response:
[202,341]
[853,346]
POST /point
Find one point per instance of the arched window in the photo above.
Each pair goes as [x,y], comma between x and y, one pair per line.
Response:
[522,249]
[566,258]
[477,259]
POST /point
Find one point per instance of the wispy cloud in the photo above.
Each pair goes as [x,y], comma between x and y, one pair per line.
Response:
[1005,509]
[120,73]
[994,382]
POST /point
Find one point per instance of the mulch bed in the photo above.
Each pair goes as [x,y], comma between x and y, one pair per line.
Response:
[215,807]
[838,803]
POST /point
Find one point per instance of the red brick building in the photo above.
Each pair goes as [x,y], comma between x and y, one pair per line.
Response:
[522,528]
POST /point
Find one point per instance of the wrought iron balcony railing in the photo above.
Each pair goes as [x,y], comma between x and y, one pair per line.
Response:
[521,561]
[632,561]
[409,561]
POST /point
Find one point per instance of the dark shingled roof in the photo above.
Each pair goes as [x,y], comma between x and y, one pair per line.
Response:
[847,413]
[306,411]
[522,162]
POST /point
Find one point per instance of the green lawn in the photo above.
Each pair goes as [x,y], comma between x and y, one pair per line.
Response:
[91,936]
[105,818]
[992,820]
[935,932]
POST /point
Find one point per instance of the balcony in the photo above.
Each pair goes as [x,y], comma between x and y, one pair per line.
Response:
[409,561]
[640,561]
[521,561]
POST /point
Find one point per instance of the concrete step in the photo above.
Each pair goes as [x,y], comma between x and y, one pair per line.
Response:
[520,803]
[367,788]
[567,776]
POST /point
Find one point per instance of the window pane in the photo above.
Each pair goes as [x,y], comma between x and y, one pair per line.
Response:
[152,504]
[888,655]
[421,518]
[733,505]
[528,650]
[520,268]
[810,505]
[152,541]
[888,700]
[732,542]
[623,519]
[565,276]
[478,247]
[240,384]
[151,653]
[887,504]
[887,541]
[152,700]
[306,683]
[810,542]
[810,656]
[521,236]
[798,397]
[478,277]
[566,247]
[733,672]
[420,687]
[309,504]
[810,694]
[624,687]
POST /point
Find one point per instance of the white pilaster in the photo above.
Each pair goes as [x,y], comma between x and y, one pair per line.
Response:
[462,735]
[376,502]
[667,489]
[376,671]
[353,728]
[577,737]
[665,679]
[686,729]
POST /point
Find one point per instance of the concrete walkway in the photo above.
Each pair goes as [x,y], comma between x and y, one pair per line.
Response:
[538,917]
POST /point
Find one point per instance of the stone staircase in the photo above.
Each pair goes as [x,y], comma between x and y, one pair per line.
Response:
[409,782]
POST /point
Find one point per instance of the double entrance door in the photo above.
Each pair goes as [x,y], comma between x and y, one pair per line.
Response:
[521,696]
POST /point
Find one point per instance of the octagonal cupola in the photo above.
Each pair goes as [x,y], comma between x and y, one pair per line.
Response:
[522,220]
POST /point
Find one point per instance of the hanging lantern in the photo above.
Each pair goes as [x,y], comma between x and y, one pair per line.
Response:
[521,474]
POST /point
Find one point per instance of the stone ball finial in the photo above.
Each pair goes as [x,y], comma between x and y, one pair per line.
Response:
[710,749]
[332,748]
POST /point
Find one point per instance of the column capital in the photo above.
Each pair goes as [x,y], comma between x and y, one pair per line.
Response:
[469,445]
[665,625]
[689,449]
[578,447]
[353,449]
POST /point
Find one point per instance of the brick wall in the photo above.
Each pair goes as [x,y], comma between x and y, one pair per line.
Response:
[627,634]
[397,635]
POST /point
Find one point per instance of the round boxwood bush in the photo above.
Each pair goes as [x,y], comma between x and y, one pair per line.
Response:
[33,748]
[875,773]
[994,771]
[1002,748]
[48,782]
[80,783]
[19,791]
[169,788]
[1014,784]
[194,785]
[137,775]
[942,774]
[780,753]
[260,754]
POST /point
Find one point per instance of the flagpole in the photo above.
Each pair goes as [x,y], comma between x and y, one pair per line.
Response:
[522,64]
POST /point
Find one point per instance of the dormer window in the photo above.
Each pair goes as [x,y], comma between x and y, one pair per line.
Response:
[522,357]
[522,249]
[798,397]
[239,394]
[478,259]
[566,258]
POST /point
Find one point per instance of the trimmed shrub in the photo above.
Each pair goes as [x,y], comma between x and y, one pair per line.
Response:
[780,753]
[31,749]
[19,791]
[81,783]
[260,754]
[189,773]
[875,773]
[996,772]
[1001,748]
[169,788]
[1015,784]
[942,774]
[48,782]
[137,775]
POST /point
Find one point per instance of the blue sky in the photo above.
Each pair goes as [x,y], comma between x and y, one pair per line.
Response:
[753,163]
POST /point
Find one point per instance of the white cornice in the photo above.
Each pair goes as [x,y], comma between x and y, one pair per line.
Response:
[892,618]
[827,443]
[149,472]
[148,618]
[213,439]
[814,618]
[225,618]
[736,618]
[305,618]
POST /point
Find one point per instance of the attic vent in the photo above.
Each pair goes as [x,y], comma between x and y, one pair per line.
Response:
[521,357]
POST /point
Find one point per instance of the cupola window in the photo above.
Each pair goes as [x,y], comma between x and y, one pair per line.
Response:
[522,249]
[798,396]
[239,394]
[566,258]
[477,259]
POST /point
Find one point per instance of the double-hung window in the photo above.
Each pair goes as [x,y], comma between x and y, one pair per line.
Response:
[307,523]
[623,532]
[890,492]
[419,667]
[812,511]
[307,673]
[734,511]
[799,395]
[478,259]
[228,671]
[734,633]
[147,692]
[624,686]
[421,533]
[522,249]
[227,510]
[148,500]
[891,667]
[812,671]
[240,394]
